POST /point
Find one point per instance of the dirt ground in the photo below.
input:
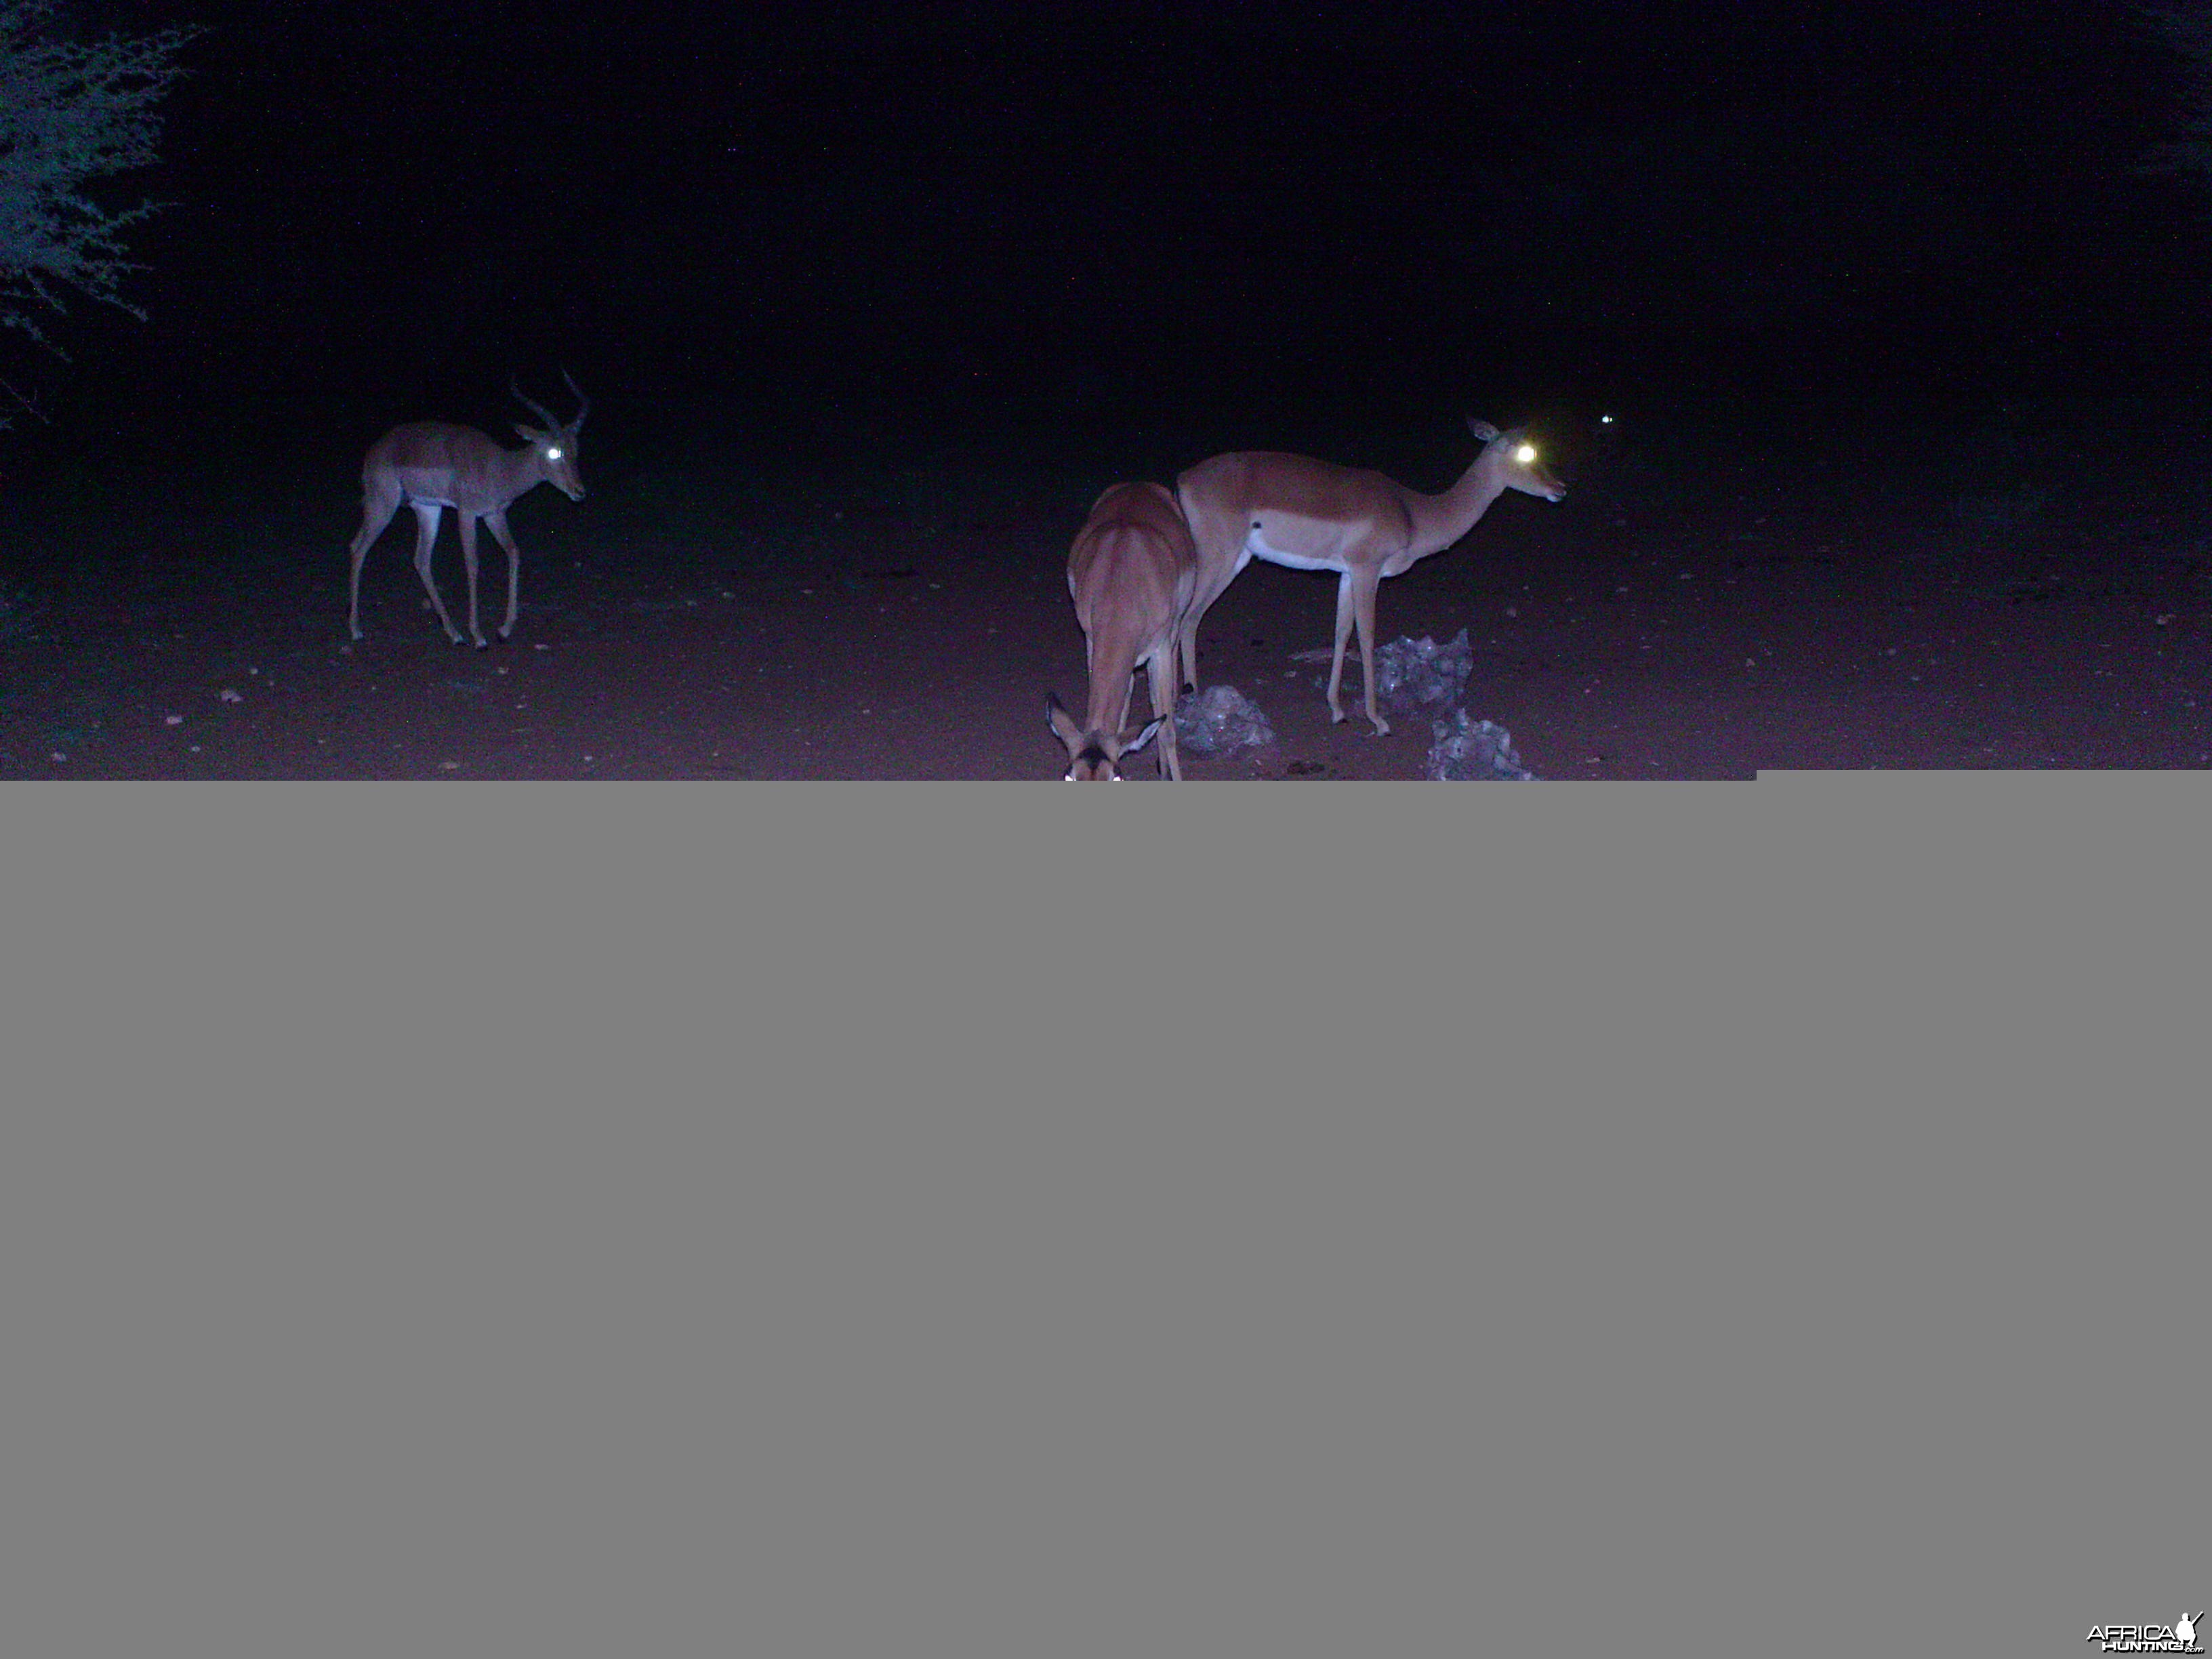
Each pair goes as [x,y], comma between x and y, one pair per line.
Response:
[909,626]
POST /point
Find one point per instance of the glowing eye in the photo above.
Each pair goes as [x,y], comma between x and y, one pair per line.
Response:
[1525,454]
[552,454]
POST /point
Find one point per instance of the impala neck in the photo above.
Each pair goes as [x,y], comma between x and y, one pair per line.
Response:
[519,469]
[1110,671]
[1440,521]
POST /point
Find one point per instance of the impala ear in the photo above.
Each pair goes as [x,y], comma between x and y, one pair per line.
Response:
[1061,722]
[530,433]
[1483,432]
[1143,737]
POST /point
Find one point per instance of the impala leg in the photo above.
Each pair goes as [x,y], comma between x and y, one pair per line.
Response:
[1343,633]
[376,511]
[1362,584]
[427,514]
[1201,601]
[1161,673]
[497,523]
[1194,612]
[1187,643]
[468,563]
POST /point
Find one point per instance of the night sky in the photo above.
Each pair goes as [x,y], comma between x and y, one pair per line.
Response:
[865,231]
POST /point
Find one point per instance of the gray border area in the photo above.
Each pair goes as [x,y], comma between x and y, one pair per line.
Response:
[852,1219]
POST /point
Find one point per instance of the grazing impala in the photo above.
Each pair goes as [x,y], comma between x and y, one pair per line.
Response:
[1130,574]
[1313,516]
[432,466]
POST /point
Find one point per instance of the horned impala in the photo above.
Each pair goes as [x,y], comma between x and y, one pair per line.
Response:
[1130,574]
[432,466]
[1313,515]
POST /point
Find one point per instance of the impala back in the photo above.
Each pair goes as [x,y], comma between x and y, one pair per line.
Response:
[1130,574]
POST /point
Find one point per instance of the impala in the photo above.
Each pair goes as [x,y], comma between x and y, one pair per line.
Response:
[1313,515]
[432,466]
[1130,573]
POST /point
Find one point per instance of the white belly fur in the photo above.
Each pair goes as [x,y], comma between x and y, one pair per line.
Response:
[1256,545]
[432,489]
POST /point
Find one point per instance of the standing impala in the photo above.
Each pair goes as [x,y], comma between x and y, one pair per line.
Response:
[1313,515]
[432,466]
[1130,574]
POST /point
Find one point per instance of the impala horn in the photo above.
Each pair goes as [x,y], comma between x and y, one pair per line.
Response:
[545,413]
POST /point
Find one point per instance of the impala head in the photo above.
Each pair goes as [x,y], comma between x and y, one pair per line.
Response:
[1515,457]
[555,441]
[1095,757]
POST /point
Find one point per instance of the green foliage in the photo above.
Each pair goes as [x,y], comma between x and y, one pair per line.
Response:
[2186,26]
[71,113]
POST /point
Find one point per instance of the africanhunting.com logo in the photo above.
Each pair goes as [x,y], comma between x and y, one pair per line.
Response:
[2179,1636]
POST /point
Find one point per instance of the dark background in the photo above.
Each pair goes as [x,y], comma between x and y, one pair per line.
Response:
[854,233]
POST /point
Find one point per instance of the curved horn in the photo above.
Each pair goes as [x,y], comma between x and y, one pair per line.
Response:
[583,403]
[532,404]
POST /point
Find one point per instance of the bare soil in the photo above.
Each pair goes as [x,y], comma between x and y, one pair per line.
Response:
[909,626]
